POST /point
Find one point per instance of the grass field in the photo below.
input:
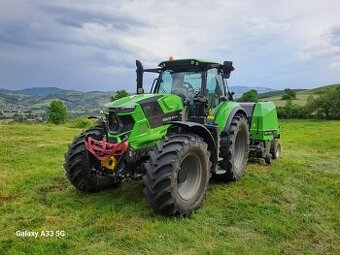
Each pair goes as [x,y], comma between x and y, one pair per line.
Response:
[290,207]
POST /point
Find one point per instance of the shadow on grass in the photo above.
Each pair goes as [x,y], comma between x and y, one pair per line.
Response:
[127,199]
[257,162]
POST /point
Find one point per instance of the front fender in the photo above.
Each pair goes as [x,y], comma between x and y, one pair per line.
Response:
[202,131]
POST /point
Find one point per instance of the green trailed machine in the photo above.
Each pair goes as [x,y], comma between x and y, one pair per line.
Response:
[185,131]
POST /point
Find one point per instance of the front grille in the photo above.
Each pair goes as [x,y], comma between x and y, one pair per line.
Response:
[119,124]
[127,123]
[113,122]
[153,111]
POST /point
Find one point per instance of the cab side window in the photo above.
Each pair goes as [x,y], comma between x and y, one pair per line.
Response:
[215,88]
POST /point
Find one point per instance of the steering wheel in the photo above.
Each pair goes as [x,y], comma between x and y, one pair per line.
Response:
[185,92]
[189,88]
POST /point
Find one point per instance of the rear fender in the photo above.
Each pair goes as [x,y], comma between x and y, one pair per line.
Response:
[225,112]
[236,110]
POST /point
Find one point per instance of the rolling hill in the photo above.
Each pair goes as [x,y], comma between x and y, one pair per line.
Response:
[78,103]
[301,95]
[276,93]
[36,101]
[239,90]
[41,91]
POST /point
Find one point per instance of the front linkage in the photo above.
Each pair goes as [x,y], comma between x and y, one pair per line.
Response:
[109,154]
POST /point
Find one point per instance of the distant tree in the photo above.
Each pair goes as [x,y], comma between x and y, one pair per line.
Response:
[335,110]
[19,118]
[57,112]
[289,94]
[249,96]
[327,105]
[119,94]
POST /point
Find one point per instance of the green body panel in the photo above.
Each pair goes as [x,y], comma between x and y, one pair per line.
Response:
[142,135]
[221,113]
[170,103]
[264,123]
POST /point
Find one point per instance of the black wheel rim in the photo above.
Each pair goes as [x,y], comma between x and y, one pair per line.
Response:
[189,176]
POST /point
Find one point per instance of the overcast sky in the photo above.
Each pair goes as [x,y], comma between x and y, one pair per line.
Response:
[92,45]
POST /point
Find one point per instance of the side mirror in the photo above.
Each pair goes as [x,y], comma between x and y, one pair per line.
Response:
[231,96]
[227,68]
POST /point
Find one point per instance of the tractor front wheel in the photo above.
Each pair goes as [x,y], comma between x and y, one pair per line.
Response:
[82,169]
[177,174]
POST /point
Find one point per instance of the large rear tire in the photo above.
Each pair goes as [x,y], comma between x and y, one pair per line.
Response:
[177,174]
[82,169]
[234,149]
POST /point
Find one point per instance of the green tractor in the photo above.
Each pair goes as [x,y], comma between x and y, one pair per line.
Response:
[186,130]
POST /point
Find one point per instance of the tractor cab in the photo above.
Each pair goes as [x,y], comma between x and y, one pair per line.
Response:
[189,78]
[201,84]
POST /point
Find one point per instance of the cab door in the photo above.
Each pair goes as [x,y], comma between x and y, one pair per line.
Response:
[215,88]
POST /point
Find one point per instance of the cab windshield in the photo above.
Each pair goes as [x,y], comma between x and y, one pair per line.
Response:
[180,83]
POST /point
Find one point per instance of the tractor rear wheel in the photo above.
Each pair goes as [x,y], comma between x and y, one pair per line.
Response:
[234,149]
[275,149]
[177,174]
[268,159]
[82,169]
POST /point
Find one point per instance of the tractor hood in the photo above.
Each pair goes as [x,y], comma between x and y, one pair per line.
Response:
[129,101]
[139,114]
[167,102]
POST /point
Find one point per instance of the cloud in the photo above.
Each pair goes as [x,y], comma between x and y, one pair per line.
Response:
[335,36]
[93,45]
[78,15]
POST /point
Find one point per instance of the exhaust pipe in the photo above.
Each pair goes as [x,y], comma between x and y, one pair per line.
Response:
[139,80]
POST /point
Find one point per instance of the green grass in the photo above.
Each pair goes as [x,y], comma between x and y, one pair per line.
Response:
[290,207]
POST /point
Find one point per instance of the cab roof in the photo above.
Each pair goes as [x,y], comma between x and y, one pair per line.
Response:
[188,64]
